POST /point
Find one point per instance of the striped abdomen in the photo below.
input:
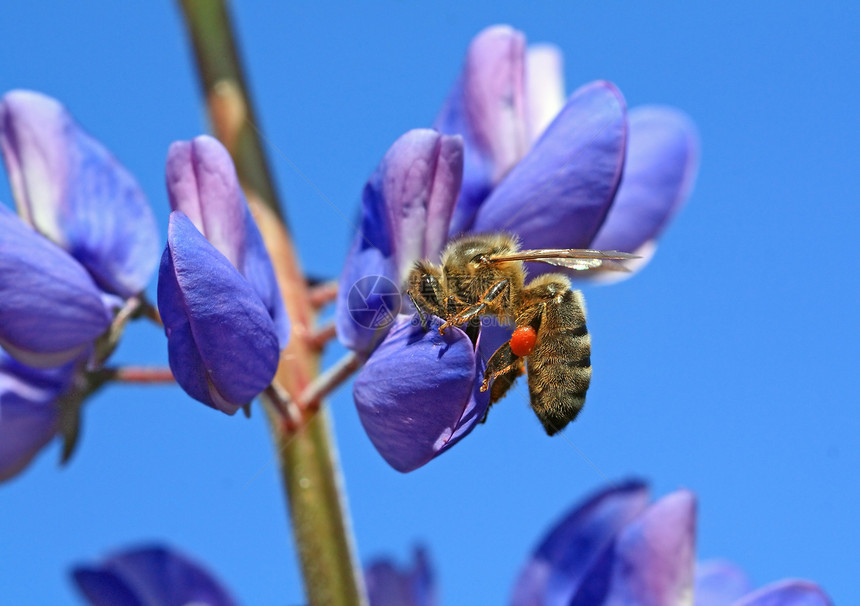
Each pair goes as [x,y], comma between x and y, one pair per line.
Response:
[559,366]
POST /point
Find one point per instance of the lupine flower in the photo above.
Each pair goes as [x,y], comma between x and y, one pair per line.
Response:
[153,575]
[555,183]
[389,585]
[69,188]
[616,549]
[51,308]
[406,210]
[57,298]
[28,410]
[85,241]
[219,301]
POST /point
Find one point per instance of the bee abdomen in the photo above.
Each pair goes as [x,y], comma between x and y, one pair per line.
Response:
[559,371]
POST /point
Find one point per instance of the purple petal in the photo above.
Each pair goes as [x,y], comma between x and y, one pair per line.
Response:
[389,585]
[202,183]
[720,583]
[652,561]
[662,160]
[222,344]
[104,588]
[570,549]
[149,576]
[72,190]
[28,414]
[416,394]
[50,308]
[558,194]
[787,593]
[487,107]
[544,87]
[406,208]
[260,273]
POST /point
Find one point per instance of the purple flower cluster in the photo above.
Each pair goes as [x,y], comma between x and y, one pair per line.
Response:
[85,241]
[510,154]
[613,549]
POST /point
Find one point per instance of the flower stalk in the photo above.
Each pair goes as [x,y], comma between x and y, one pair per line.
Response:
[307,456]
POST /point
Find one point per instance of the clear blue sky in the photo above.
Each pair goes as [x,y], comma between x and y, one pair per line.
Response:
[729,366]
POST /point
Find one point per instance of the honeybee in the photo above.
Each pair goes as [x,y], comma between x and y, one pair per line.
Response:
[484,275]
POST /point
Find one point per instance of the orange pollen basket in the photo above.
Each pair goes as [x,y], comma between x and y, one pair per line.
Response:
[523,341]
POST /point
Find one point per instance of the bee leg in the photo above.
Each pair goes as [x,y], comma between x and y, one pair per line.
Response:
[470,312]
[425,292]
[418,309]
[503,368]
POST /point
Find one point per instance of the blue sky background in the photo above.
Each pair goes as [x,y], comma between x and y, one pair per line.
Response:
[729,366]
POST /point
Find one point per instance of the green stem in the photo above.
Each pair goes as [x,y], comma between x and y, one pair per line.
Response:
[308,460]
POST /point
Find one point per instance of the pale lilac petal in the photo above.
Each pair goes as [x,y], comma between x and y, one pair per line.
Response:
[222,345]
[28,411]
[720,583]
[72,190]
[652,561]
[787,593]
[567,553]
[487,107]
[390,585]
[420,182]
[559,193]
[544,87]
[415,393]
[150,576]
[406,208]
[51,311]
[202,183]
[662,161]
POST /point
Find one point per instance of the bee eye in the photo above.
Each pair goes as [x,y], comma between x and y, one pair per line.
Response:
[479,259]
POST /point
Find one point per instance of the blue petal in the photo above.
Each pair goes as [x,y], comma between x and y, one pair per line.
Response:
[389,585]
[720,583]
[148,576]
[222,344]
[787,593]
[651,562]
[50,308]
[487,107]
[104,588]
[415,395]
[559,193]
[202,183]
[568,552]
[258,270]
[28,414]
[662,158]
[72,190]
[406,209]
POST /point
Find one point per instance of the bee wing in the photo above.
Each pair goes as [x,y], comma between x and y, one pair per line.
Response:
[572,258]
